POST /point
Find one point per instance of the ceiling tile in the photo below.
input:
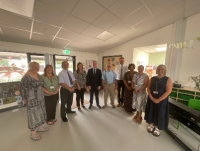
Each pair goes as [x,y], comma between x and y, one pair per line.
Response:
[92,31]
[147,1]
[45,28]
[114,39]
[64,5]
[192,11]
[61,42]
[123,8]
[75,24]
[119,27]
[127,33]
[106,3]
[73,44]
[82,38]
[157,6]
[106,20]
[49,14]
[66,34]
[191,7]
[104,35]
[94,41]
[88,10]
[137,16]
[15,20]
[41,38]
[14,35]
[147,26]
[171,14]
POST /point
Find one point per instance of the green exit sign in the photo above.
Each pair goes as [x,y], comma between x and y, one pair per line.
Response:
[66,51]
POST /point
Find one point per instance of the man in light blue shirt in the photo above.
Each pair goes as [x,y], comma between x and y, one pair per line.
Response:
[67,82]
[109,82]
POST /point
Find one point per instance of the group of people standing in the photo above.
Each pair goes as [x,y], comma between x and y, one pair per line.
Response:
[41,93]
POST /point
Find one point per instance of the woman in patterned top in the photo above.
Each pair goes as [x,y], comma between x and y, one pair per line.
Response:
[51,89]
[139,84]
[128,93]
[80,84]
[33,96]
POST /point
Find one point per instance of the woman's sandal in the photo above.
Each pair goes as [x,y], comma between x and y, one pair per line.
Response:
[42,129]
[157,132]
[138,120]
[136,116]
[151,127]
[55,120]
[50,122]
[83,106]
[103,106]
[79,108]
[36,137]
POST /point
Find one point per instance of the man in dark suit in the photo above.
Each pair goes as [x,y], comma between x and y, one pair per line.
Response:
[94,83]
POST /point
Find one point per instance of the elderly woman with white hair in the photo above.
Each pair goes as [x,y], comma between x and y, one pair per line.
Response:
[157,108]
[32,95]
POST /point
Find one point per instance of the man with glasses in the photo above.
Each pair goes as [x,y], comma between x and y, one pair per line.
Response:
[109,84]
[120,71]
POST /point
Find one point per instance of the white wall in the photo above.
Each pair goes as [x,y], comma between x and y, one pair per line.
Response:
[16,47]
[160,36]
[190,58]
[142,56]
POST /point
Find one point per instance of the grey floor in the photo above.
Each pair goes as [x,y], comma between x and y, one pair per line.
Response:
[87,130]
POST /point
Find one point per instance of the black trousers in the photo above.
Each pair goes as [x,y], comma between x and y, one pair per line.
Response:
[96,91]
[80,96]
[66,98]
[51,102]
[120,84]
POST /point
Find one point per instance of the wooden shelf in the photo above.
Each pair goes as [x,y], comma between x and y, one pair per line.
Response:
[195,91]
[186,93]
[181,99]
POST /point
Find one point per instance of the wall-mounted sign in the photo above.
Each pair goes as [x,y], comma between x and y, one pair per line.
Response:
[66,51]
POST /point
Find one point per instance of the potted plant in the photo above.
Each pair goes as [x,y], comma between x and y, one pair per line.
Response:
[196,80]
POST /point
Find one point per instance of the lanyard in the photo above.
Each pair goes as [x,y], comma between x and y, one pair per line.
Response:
[137,79]
[50,79]
[157,82]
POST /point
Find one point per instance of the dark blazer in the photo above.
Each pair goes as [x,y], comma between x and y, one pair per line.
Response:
[94,80]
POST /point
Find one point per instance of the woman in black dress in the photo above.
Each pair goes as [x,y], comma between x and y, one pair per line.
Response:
[128,93]
[157,109]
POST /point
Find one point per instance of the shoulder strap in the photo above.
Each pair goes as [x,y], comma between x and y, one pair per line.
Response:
[105,77]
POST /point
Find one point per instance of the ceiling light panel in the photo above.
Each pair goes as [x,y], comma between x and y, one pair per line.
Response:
[105,35]
[21,7]
[92,31]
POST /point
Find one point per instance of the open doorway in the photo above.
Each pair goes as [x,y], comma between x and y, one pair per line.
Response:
[58,63]
[150,57]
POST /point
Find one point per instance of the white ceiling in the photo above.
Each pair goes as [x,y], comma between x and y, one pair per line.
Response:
[91,25]
[151,49]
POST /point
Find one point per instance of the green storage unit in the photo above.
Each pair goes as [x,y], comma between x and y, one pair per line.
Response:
[193,103]
[187,92]
[198,93]
[175,90]
[185,97]
[198,98]
[183,102]
[172,94]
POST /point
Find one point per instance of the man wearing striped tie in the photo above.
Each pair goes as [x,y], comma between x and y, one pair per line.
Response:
[67,82]
[120,70]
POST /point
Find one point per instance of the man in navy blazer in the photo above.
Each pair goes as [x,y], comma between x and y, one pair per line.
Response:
[94,83]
